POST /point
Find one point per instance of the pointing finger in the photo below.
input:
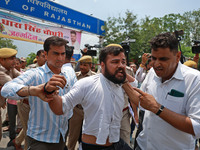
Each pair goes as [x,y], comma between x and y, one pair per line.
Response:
[139,91]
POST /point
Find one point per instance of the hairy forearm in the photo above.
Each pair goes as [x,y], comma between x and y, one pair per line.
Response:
[56,105]
[178,121]
[27,91]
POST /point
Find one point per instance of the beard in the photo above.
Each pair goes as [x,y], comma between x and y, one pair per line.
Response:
[113,78]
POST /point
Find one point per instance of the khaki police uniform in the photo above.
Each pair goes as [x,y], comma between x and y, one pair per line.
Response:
[5,76]
[191,63]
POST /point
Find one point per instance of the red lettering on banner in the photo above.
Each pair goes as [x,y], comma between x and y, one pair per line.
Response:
[11,23]
[23,35]
[49,32]
[32,28]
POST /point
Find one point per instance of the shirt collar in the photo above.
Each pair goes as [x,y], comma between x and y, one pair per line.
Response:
[3,69]
[110,82]
[177,75]
[48,70]
[86,75]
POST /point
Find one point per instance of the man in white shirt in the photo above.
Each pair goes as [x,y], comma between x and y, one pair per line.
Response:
[101,97]
[171,101]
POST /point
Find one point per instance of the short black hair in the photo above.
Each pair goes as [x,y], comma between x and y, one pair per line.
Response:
[54,41]
[165,40]
[69,52]
[39,52]
[115,50]
[73,32]
[18,59]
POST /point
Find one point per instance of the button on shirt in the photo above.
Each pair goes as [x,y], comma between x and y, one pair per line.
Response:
[43,124]
[102,101]
[158,134]
[80,76]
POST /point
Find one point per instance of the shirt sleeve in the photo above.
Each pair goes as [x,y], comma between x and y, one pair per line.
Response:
[10,89]
[193,105]
[134,84]
[74,96]
[140,74]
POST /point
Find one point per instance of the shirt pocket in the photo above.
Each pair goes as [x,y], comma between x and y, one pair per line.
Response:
[174,103]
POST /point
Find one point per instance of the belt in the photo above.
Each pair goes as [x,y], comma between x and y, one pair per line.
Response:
[25,101]
[125,109]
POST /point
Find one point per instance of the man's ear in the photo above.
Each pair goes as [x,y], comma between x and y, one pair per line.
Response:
[178,56]
[102,67]
[45,53]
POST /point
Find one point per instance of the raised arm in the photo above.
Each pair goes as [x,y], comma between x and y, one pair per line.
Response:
[132,94]
[47,92]
[178,121]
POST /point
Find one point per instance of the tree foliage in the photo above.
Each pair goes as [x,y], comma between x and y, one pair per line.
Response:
[30,58]
[4,42]
[120,28]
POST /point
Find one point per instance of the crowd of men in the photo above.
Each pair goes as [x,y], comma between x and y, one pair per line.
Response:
[95,109]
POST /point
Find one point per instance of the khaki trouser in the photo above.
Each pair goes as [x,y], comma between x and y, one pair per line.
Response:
[23,111]
[75,125]
[125,129]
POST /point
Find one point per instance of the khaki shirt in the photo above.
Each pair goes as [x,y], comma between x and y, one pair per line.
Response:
[32,66]
[5,76]
[80,76]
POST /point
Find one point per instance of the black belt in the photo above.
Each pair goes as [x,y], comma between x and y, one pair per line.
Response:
[87,146]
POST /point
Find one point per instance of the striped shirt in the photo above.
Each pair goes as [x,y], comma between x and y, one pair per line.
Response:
[43,124]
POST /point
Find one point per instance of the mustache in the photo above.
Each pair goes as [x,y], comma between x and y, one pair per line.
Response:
[120,69]
[158,68]
[58,61]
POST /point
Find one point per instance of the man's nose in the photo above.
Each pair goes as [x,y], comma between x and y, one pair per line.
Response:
[156,63]
[122,64]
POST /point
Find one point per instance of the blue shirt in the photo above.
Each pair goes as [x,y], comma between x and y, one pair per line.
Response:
[43,124]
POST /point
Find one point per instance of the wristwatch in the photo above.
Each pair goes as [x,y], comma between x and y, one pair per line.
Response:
[160,110]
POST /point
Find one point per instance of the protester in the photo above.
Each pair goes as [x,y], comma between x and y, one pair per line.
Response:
[170,96]
[7,73]
[101,97]
[134,67]
[75,123]
[144,67]
[46,130]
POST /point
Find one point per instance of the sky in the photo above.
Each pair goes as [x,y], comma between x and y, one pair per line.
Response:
[102,9]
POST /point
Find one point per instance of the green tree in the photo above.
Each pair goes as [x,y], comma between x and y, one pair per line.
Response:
[30,58]
[118,29]
[4,42]
[122,28]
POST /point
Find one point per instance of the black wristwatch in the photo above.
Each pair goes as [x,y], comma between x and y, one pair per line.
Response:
[160,110]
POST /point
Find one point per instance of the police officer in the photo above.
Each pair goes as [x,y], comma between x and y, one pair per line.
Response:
[7,73]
